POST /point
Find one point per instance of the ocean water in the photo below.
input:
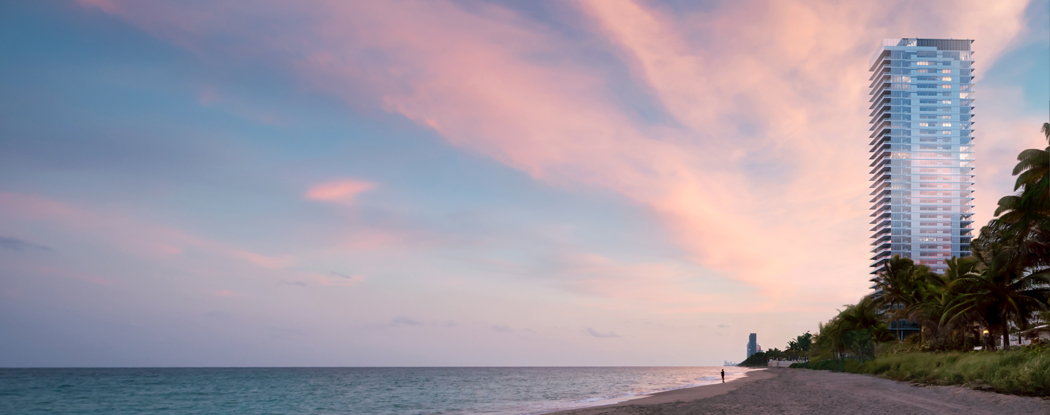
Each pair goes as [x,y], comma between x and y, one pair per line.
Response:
[400,391]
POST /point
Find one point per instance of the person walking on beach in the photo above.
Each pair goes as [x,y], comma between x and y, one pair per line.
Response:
[723,376]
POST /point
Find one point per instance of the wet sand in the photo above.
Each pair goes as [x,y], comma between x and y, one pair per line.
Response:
[800,391]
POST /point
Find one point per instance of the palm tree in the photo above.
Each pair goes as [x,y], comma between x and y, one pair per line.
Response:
[800,346]
[1024,219]
[863,327]
[932,296]
[1032,167]
[895,286]
[1002,291]
[957,269]
[830,340]
[1014,251]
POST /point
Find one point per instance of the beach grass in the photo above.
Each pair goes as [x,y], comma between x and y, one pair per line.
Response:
[1018,372]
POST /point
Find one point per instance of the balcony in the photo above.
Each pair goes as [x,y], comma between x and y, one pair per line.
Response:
[885,78]
[879,135]
[877,72]
[884,164]
[880,218]
[884,146]
[885,255]
[880,210]
[879,181]
[880,110]
[877,157]
[880,93]
[881,123]
[885,198]
[880,192]
[874,103]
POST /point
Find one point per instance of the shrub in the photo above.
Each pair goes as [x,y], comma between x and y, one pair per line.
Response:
[1020,372]
[756,360]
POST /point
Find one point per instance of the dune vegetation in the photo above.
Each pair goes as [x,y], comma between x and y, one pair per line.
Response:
[981,301]
[1022,372]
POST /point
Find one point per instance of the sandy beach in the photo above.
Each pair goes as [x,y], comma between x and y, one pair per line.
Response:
[799,391]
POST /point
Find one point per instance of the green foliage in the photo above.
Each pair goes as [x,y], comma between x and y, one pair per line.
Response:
[1004,286]
[775,353]
[756,360]
[800,347]
[802,343]
[1019,372]
[832,365]
[853,333]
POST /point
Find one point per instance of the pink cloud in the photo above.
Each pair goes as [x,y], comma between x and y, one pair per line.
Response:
[496,84]
[126,232]
[342,191]
[225,294]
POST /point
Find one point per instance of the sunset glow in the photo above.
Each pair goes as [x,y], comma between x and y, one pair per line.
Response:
[442,183]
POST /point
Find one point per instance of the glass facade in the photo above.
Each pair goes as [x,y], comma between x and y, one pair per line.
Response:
[922,150]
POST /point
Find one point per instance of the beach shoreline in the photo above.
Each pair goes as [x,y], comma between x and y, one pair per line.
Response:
[684,394]
[798,391]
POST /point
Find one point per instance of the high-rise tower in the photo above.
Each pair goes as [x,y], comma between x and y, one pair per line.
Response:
[922,150]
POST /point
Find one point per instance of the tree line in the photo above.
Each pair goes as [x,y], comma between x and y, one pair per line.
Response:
[1003,286]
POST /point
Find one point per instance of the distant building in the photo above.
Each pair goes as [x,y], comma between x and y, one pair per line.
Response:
[752,344]
[922,150]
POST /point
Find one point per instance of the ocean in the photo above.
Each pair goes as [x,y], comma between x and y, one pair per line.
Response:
[388,391]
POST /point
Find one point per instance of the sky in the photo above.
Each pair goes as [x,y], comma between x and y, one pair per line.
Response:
[456,182]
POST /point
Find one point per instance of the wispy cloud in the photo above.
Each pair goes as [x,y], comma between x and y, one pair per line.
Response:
[405,321]
[128,233]
[338,279]
[341,191]
[606,335]
[15,244]
[734,169]
[751,147]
